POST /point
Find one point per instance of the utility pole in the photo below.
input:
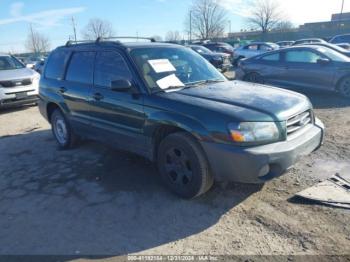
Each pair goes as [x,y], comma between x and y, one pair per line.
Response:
[33,39]
[229,28]
[190,26]
[341,16]
[74,29]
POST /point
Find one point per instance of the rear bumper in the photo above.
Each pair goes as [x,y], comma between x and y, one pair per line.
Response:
[262,163]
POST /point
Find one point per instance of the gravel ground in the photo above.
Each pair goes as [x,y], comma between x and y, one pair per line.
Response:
[96,201]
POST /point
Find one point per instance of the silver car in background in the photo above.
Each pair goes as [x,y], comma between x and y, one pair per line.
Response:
[18,85]
[253,49]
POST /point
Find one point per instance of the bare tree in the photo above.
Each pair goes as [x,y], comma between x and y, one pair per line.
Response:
[97,28]
[265,15]
[284,26]
[37,43]
[206,19]
[173,36]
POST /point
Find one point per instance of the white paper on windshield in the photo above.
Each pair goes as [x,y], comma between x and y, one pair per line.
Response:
[169,81]
[162,65]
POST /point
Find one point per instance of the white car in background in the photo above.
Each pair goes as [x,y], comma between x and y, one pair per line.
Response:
[253,49]
[18,85]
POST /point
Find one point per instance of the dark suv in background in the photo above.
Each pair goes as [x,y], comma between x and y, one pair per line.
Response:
[220,47]
[167,103]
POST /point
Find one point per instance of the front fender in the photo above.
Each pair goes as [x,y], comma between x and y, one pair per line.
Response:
[163,118]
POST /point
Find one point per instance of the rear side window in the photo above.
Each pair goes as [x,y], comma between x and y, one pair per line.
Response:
[81,68]
[56,64]
[252,47]
[110,66]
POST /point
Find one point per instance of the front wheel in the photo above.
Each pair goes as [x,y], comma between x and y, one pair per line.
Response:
[183,166]
[62,131]
[254,78]
[344,87]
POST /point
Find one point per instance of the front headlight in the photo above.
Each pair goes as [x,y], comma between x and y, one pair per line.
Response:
[36,79]
[254,132]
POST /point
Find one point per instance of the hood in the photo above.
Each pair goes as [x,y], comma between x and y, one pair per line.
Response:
[15,74]
[252,101]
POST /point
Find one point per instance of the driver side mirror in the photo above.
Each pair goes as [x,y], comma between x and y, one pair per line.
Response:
[323,61]
[121,85]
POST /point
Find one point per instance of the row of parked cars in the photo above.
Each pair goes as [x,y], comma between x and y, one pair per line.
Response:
[306,63]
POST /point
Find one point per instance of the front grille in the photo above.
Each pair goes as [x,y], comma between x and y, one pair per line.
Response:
[14,83]
[296,123]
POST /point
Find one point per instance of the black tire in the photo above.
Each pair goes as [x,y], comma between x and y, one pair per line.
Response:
[344,87]
[57,122]
[183,166]
[254,78]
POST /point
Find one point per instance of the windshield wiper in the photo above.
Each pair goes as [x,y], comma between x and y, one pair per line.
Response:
[203,82]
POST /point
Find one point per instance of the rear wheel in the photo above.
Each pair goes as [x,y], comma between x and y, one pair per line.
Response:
[62,131]
[183,166]
[254,78]
[344,87]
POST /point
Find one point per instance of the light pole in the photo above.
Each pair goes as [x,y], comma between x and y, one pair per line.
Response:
[74,29]
[229,28]
[190,26]
[341,15]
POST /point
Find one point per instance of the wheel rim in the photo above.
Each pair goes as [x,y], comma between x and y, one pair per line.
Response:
[60,130]
[178,167]
[345,88]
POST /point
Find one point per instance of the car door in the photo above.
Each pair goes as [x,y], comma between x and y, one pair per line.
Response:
[117,115]
[76,88]
[269,66]
[303,69]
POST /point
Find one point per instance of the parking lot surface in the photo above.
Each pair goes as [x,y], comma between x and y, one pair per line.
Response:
[94,200]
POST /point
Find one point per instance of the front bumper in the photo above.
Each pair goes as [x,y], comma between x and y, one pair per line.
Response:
[262,163]
[21,95]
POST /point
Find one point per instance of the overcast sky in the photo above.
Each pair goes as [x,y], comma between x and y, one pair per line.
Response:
[131,17]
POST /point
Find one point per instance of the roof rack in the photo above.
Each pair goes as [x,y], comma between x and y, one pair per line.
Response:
[73,42]
[100,39]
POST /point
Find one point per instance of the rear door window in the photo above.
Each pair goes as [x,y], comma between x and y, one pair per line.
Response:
[81,68]
[56,64]
[110,66]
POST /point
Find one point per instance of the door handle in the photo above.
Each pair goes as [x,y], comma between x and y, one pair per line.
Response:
[62,90]
[98,96]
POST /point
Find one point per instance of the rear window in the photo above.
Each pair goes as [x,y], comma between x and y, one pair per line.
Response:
[341,39]
[81,68]
[56,64]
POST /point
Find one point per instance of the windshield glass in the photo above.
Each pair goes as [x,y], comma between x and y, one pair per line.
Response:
[201,50]
[9,63]
[334,55]
[169,67]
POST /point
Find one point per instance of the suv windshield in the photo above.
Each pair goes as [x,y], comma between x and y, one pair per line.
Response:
[169,67]
[9,63]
